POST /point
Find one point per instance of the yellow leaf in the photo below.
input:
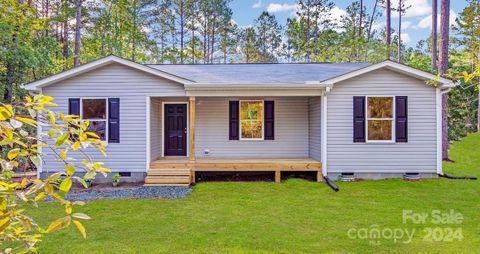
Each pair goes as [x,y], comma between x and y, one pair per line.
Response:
[70,169]
[12,154]
[58,224]
[81,228]
[26,120]
[5,112]
[65,185]
[4,224]
[92,134]
[63,155]
[40,196]
[81,216]
[76,146]
[60,140]
[51,117]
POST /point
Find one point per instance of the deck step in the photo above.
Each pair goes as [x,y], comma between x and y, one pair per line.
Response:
[168,176]
[166,184]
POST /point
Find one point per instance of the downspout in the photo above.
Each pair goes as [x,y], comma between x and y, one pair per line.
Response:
[324,139]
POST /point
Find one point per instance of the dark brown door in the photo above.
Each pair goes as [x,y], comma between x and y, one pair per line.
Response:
[175,129]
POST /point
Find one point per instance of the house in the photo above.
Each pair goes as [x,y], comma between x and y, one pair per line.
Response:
[166,122]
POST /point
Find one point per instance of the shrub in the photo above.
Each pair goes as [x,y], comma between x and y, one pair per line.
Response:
[19,143]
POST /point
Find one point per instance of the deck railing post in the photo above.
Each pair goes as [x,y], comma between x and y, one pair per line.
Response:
[192,128]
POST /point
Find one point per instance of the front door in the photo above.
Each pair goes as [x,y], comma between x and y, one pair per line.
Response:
[175,129]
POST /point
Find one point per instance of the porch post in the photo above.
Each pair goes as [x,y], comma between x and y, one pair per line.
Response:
[192,127]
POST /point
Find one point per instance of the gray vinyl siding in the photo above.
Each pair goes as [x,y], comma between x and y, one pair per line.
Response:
[155,128]
[314,127]
[418,155]
[291,130]
[132,87]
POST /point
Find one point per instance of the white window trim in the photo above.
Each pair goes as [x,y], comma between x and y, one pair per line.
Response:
[98,120]
[240,121]
[371,118]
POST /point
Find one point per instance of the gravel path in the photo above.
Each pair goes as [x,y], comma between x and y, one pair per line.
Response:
[132,192]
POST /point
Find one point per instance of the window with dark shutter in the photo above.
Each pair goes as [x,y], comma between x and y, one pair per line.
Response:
[358,119]
[113,120]
[401,122]
[269,120]
[74,106]
[234,120]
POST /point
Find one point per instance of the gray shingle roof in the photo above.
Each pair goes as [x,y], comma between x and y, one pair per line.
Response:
[259,73]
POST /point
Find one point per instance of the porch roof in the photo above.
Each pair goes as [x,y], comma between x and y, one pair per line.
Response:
[280,73]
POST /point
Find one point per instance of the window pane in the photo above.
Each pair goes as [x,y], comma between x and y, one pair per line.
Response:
[98,127]
[251,110]
[380,107]
[251,129]
[94,108]
[379,130]
[251,119]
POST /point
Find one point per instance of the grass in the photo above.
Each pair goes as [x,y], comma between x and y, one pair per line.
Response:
[295,216]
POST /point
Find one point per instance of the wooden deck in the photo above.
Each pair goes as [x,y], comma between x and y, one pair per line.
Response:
[181,170]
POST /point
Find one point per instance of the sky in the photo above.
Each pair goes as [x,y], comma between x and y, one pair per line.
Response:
[416,24]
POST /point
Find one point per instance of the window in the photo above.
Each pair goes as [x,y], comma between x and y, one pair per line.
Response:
[95,111]
[380,118]
[251,120]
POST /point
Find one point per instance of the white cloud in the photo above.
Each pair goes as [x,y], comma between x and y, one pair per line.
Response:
[257,4]
[406,38]
[378,26]
[276,7]
[427,21]
[418,8]
[406,24]
[337,14]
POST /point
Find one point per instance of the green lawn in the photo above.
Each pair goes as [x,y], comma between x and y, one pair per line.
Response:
[295,216]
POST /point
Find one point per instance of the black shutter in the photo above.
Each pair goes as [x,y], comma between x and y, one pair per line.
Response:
[401,122]
[113,120]
[74,106]
[269,117]
[359,119]
[234,120]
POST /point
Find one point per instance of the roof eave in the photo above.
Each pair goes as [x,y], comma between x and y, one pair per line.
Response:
[401,68]
[37,85]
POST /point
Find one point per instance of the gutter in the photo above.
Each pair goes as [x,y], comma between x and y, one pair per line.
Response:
[256,86]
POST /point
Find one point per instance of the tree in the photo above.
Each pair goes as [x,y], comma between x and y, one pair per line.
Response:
[314,16]
[434,35]
[402,8]
[468,29]
[269,36]
[249,45]
[78,33]
[19,232]
[444,37]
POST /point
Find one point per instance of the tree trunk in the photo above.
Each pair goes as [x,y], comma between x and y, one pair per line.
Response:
[444,29]
[434,35]
[134,32]
[399,46]
[361,19]
[65,32]
[388,28]
[8,92]
[182,30]
[307,34]
[478,112]
[76,57]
